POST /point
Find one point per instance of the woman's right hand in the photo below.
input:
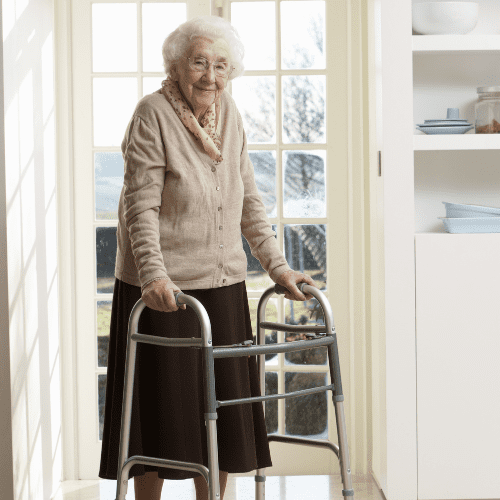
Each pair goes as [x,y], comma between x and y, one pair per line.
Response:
[159,295]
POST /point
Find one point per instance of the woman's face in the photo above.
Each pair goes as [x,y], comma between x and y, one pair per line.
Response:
[200,89]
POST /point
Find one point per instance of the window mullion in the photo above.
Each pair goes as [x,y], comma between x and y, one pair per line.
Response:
[281,372]
[278,84]
[279,214]
[279,176]
[139,50]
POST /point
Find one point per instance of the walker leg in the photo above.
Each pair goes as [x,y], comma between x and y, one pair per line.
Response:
[213,461]
[211,424]
[338,398]
[260,484]
[128,387]
[122,477]
[260,474]
[345,467]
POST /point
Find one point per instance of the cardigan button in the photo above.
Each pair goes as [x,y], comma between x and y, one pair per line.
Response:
[213,169]
[220,208]
[223,281]
[220,265]
[218,188]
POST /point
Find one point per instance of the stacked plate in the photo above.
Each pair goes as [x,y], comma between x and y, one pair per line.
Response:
[471,218]
[450,125]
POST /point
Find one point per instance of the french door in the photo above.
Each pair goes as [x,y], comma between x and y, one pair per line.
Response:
[283,97]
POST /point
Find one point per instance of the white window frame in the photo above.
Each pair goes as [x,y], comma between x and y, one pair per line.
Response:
[82,321]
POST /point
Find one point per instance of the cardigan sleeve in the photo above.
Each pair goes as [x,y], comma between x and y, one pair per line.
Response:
[145,171]
[255,224]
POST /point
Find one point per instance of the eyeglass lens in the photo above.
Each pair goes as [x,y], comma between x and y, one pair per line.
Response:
[201,64]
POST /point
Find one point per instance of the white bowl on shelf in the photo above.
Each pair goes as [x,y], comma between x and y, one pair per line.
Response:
[444,18]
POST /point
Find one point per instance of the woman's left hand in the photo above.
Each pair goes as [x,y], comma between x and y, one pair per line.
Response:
[289,280]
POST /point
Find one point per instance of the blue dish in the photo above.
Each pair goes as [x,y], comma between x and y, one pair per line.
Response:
[462,211]
[445,123]
[461,120]
[437,130]
[471,224]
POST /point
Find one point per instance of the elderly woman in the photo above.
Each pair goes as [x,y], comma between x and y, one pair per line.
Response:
[189,193]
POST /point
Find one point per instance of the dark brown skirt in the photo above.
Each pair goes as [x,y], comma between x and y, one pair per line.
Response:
[167,418]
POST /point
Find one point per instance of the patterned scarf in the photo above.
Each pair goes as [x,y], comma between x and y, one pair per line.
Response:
[207,131]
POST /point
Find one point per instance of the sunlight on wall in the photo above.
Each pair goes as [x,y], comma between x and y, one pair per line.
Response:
[25,110]
[48,79]
[32,246]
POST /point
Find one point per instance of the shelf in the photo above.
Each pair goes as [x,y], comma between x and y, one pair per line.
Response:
[424,142]
[423,44]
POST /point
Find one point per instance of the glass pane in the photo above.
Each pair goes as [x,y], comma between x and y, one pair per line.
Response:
[114,37]
[103,323]
[309,312]
[303,108]
[302,35]
[260,49]
[271,336]
[106,257]
[101,392]
[271,407]
[114,103]
[257,279]
[264,163]
[158,21]
[306,415]
[151,84]
[304,189]
[305,250]
[109,170]
[255,97]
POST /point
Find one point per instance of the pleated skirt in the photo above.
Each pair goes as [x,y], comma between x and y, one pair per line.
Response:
[167,419]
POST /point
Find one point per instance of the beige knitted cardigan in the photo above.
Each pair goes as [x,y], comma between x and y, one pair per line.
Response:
[181,214]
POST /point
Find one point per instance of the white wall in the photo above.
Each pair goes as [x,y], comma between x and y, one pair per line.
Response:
[33,274]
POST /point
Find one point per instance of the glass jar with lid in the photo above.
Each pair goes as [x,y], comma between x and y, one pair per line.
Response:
[488,110]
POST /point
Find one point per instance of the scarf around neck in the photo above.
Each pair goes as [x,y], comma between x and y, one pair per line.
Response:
[207,130]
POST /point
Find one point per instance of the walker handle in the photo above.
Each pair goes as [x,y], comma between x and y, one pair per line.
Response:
[280,289]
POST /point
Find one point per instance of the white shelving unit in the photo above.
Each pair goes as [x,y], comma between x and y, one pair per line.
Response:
[458,44]
[436,393]
[458,373]
[456,142]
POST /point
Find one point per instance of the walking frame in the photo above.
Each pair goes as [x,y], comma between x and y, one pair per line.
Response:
[318,336]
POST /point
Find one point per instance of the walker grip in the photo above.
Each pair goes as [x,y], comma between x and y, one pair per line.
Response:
[280,289]
[177,295]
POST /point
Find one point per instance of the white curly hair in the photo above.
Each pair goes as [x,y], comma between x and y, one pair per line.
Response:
[212,27]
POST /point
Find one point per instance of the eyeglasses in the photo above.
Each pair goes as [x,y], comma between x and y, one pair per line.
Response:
[200,64]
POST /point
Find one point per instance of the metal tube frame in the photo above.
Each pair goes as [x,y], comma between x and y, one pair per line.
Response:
[327,338]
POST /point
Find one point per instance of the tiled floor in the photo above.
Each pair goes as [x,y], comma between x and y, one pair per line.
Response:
[238,488]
